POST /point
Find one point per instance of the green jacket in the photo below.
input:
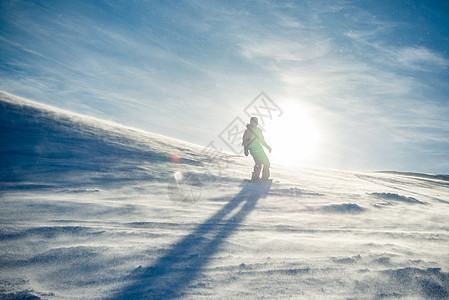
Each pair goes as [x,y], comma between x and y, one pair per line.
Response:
[253,139]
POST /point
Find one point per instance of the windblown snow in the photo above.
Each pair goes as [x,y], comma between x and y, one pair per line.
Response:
[91,209]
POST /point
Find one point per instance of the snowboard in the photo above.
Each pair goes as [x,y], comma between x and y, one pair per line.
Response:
[260,181]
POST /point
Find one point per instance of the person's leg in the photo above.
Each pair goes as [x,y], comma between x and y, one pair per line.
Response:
[257,168]
[265,173]
[266,167]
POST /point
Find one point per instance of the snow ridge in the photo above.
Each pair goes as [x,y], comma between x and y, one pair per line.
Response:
[45,147]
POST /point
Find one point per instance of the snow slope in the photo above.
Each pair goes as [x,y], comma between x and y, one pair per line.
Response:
[91,209]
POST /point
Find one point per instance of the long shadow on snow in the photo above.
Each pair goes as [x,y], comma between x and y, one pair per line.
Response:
[176,270]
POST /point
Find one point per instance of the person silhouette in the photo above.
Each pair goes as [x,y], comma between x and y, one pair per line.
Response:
[253,141]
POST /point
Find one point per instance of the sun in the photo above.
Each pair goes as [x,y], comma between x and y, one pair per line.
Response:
[294,136]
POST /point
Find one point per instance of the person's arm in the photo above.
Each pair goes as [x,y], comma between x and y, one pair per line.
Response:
[246,141]
[264,143]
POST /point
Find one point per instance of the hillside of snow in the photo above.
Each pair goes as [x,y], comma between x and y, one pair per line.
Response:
[91,209]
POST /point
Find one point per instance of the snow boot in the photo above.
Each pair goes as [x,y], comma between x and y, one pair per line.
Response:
[255,177]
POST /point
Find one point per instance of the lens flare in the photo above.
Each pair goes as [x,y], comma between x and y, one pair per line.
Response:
[178,176]
[175,158]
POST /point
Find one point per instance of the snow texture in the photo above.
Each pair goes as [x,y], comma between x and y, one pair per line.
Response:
[91,209]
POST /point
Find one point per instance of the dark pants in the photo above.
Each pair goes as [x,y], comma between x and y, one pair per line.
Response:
[260,160]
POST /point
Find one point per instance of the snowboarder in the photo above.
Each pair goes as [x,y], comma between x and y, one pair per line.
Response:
[253,141]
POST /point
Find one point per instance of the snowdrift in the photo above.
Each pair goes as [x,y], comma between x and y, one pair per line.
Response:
[93,209]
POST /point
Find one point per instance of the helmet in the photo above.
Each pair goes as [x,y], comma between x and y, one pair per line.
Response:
[254,121]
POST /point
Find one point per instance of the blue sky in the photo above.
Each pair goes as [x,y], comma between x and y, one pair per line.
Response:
[368,80]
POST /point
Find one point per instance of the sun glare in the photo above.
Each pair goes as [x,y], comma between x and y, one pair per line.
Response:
[293,136]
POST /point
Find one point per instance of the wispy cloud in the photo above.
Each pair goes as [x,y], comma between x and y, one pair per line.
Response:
[420,58]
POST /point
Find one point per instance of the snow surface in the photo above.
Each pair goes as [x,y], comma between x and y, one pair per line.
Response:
[91,209]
